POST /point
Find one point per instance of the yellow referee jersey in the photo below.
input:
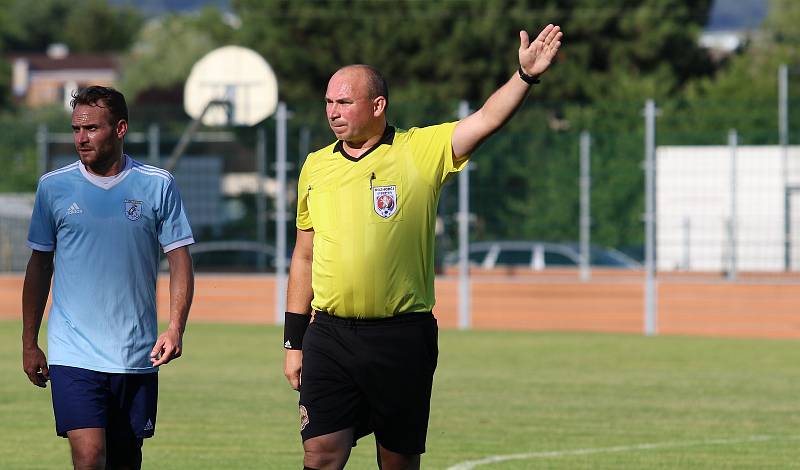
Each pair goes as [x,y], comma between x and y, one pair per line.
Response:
[374,221]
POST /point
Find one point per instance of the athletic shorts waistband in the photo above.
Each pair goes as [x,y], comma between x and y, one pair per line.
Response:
[410,317]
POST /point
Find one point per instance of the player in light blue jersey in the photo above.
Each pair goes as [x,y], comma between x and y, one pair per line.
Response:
[97,228]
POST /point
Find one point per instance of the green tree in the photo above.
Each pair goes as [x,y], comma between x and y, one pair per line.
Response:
[84,26]
[166,48]
[97,26]
[18,150]
[465,48]
[616,54]
[744,94]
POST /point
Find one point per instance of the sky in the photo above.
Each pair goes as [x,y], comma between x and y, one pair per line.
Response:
[725,14]
[156,7]
[737,14]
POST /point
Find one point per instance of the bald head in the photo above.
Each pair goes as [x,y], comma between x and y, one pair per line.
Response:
[373,80]
[356,101]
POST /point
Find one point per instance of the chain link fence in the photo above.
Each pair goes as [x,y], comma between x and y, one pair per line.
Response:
[524,187]
[727,203]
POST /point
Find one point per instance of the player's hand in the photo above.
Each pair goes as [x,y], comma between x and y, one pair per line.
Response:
[535,57]
[168,347]
[34,363]
[292,365]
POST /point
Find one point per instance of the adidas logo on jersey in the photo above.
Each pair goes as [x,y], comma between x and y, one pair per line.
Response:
[148,426]
[287,344]
[74,209]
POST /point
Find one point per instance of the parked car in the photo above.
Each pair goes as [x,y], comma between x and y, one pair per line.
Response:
[537,255]
[232,256]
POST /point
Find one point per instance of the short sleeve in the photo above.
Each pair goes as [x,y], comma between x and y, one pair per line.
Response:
[173,230]
[432,148]
[42,231]
[303,220]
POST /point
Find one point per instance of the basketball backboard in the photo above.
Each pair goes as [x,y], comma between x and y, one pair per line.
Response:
[236,75]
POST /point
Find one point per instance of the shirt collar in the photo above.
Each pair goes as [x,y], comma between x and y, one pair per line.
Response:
[387,138]
[107,182]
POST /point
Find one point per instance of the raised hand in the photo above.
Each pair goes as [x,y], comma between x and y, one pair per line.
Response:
[535,57]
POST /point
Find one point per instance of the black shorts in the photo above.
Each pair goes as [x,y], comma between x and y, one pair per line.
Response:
[371,375]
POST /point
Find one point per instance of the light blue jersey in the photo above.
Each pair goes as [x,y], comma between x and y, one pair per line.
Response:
[106,233]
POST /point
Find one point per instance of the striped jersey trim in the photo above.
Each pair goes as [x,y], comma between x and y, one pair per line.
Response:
[71,167]
[39,246]
[151,168]
[179,243]
[152,171]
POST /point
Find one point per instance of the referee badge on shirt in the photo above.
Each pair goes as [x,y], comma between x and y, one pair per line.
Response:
[384,200]
[133,209]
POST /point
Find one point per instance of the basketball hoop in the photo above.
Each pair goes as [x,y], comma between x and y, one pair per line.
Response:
[236,75]
[229,86]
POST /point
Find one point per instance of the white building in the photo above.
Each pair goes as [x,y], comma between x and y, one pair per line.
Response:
[695,205]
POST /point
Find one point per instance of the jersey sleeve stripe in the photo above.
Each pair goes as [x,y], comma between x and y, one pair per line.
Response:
[179,243]
[40,247]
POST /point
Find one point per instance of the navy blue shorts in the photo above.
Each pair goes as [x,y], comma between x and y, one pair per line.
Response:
[123,404]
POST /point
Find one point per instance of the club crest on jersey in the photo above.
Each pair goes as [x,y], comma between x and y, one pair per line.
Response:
[385,200]
[133,209]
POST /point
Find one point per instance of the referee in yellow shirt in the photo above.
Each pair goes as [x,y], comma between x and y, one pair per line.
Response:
[363,264]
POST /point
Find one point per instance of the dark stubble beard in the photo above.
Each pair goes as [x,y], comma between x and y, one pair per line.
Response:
[103,162]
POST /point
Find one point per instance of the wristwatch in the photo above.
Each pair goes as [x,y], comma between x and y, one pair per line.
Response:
[529,79]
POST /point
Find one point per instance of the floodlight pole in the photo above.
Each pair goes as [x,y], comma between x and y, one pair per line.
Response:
[464,307]
[281,118]
[650,313]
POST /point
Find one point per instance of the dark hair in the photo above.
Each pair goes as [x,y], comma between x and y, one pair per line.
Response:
[376,84]
[104,97]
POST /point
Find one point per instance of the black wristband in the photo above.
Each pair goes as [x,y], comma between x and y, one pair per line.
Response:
[294,328]
[529,79]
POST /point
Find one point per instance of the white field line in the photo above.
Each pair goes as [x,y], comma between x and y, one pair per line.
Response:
[470,464]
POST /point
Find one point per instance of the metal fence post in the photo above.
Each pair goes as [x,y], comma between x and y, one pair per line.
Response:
[585,196]
[464,307]
[733,139]
[261,203]
[304,146]
[154,144]
[650,313]
[42,142]
[787,200]
[282,116]
[783,130]
[687,244]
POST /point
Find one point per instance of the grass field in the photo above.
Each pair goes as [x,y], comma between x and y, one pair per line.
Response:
[501,400]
